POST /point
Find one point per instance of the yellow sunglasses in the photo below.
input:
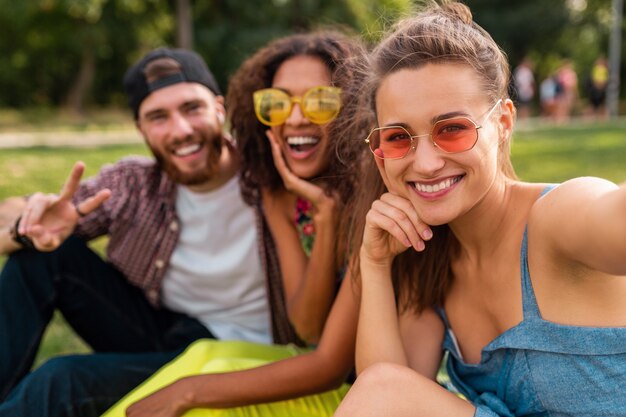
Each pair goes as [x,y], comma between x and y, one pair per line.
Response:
[319,105]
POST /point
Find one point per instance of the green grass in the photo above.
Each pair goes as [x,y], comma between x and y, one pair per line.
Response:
[556,154]
[45,169]
[543,154]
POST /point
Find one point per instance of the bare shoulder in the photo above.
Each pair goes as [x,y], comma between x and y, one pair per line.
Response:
[568,225]
[569,197]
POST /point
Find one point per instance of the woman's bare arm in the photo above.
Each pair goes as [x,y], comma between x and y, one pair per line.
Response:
[314,372]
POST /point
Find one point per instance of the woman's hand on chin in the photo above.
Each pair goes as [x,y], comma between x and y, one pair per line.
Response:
[391,227]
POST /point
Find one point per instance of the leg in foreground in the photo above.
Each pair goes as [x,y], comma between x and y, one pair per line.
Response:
[387,390]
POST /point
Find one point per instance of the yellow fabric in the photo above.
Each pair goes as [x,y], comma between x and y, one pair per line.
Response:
[600,75]
[212,356]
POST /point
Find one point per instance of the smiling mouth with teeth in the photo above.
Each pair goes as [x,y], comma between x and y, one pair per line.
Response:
[187,150]
[434,188]
[302,143]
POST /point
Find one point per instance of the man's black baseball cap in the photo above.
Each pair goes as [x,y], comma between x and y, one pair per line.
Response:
[192,69]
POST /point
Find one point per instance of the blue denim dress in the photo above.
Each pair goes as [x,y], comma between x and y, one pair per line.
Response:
[540,368]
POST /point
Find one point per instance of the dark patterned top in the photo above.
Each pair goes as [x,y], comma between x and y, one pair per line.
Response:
[304,224]
[303,221]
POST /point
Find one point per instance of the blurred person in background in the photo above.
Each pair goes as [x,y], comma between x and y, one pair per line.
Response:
[524,82]
[597,83]
[567,91]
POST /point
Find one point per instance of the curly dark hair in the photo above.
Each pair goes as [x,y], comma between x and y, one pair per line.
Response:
[341,53]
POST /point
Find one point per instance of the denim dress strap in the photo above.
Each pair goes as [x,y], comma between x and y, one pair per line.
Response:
[529,302]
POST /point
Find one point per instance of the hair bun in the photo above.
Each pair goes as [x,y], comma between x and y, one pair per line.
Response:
[459,11]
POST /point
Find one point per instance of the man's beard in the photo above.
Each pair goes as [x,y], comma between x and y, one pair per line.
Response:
[213,141]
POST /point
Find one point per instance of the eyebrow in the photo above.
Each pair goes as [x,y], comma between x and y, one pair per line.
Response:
[195,102]
[434,120]
[282,89]
[182,105]
[449,115]
[154,112]
[404,125]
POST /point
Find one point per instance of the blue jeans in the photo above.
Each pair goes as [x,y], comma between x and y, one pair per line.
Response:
[131,339]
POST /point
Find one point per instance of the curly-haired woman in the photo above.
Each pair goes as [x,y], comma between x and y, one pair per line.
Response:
[292,151]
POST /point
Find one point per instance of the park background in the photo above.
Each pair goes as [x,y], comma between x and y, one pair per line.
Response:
[70,55]
[63,61]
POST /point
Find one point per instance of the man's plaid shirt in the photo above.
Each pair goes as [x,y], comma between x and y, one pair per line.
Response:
[141,222]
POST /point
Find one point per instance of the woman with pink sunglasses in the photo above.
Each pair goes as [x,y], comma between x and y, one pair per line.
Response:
[520,285]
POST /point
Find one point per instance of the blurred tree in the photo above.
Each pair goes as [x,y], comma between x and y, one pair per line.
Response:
[228,31]
[548,32]
[587,34]
[57,50]
[184,24]
[521,27]
[615,58]
[75,52]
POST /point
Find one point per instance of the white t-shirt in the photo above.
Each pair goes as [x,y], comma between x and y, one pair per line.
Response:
[215,273]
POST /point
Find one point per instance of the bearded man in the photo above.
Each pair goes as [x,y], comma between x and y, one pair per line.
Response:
[187,258]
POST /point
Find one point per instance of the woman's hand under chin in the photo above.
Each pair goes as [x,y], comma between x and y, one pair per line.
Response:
[324,204]
[391,227]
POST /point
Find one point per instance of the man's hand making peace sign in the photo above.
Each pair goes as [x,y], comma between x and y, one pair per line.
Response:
[48,219]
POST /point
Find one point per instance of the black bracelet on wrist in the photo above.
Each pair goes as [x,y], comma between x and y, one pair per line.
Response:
[17,237]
